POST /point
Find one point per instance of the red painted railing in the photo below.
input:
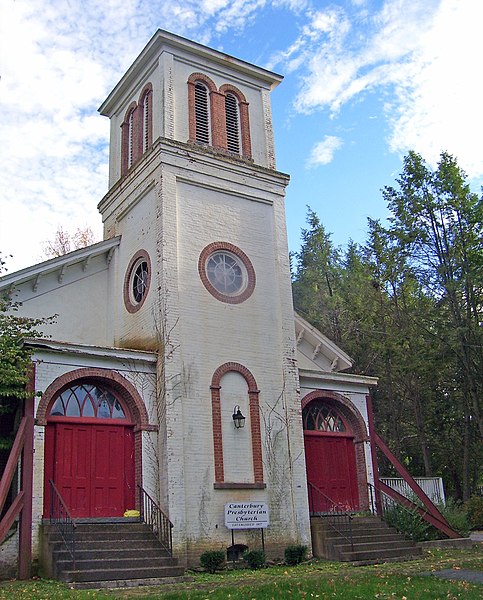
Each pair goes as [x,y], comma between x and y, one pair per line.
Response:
[428,510]
[22,451]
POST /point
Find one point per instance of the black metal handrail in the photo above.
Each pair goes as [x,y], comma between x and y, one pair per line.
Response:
[154,517]
[61,518]
[387,503]
[337,516]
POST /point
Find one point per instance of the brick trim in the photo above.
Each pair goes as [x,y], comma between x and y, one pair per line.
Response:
[218,114]
[358,427]
[125,130]
[139,256]
[244,118]
[127,392]
[204,79]
[254,407]
[146,96]
[251,277]
[138,125]
[226,485]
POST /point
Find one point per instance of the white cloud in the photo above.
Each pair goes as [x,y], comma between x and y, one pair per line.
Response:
[439,106]
[323,152]
[422,57]
[59,61]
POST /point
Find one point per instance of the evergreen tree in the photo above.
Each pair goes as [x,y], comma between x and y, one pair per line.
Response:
[407,307]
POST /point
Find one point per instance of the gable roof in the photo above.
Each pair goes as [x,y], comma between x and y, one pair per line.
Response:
[318,352]
[60,263]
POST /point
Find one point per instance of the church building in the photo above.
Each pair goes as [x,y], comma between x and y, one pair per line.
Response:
[176,364]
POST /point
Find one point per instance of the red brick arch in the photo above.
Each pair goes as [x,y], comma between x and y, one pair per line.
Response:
[124,389]
[250,272]
[244,117]
[146,96]
[358,428]
[112,379]
[125,134]
[253,401]
[218,128]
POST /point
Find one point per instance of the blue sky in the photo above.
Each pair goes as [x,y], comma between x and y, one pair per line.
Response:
[365,81]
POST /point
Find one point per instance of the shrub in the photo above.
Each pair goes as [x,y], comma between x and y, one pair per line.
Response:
[294,555]
[474,509]
[255,559]
[212,560]
[456,515]
[408,522]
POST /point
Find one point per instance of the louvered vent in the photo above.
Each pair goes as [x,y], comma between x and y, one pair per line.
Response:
[202,114]
[147,108]
[130,154]
[232,124]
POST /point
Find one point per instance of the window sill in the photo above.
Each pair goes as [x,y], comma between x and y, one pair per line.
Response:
[226,485]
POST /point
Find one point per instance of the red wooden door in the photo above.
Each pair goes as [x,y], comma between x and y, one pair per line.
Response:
[331,467]
[93,468]
[72,466]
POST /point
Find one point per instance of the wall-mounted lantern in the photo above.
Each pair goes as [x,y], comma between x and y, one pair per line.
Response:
[238,418]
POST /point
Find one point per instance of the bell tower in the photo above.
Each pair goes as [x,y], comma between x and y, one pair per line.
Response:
[203,278]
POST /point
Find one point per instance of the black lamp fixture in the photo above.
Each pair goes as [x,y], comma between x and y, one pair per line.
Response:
[238,418]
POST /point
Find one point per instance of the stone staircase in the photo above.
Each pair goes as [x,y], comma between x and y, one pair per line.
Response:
[116,554]
[373,541]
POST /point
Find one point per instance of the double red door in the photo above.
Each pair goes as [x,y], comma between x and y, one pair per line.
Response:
[331,467]
[93,467]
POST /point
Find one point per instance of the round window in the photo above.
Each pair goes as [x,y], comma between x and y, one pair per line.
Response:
[227,272]
[137,281]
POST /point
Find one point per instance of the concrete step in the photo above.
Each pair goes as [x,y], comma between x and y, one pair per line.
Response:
[99,544]
[126,563]
[388,537]
[373,546]
[115,536]
[107,553]
[116,552]
[113,574]
[373,541]
[380,556]
[129,583]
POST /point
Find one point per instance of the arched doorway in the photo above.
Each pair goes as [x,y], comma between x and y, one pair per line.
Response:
[330,458]
[89,450]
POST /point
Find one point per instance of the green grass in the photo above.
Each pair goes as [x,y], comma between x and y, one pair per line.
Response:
[315,579]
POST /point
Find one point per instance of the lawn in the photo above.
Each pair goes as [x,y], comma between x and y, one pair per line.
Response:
[315,579]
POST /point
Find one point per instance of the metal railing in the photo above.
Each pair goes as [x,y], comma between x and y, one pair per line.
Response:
[387,503]
[154,517]
[431,486]
[61,518]
[336,515]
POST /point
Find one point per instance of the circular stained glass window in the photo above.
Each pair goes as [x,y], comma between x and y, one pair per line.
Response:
[140,281]
[137,281]
[226,272]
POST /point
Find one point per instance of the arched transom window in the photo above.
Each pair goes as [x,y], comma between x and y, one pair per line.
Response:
[319,416]
[87,400]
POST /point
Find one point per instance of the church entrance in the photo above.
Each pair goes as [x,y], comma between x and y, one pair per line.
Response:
[330,459]
[89,452]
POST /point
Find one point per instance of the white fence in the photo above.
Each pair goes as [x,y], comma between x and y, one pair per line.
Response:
[431,486]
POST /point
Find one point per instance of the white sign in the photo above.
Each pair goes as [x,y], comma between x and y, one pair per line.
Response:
[246,515]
